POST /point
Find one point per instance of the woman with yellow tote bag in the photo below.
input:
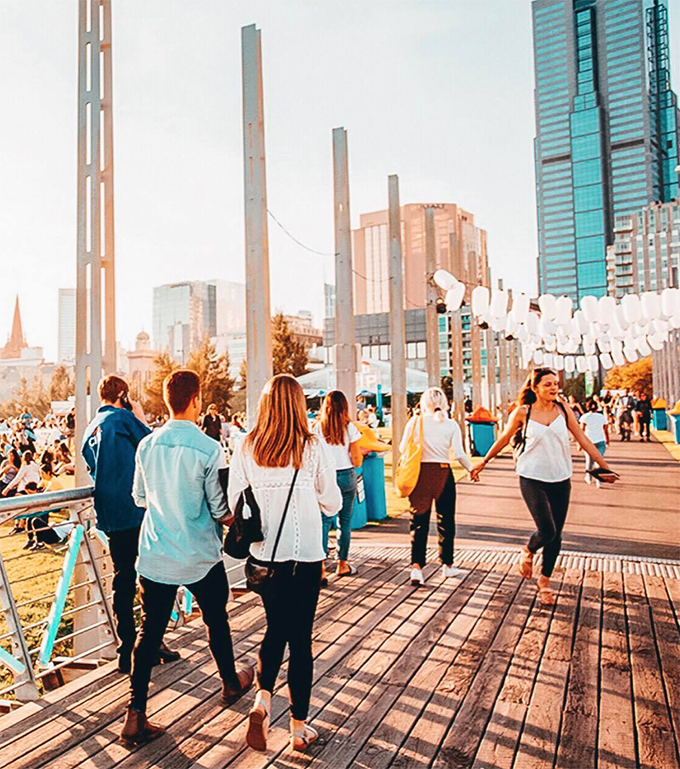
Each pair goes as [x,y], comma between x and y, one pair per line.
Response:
[425,469]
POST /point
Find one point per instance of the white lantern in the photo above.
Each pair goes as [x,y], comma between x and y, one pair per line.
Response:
[548,305]
[532,323]
[670,301]
[550,343]
[583,325]
[498,324]
[444,279]
[655,342]
[480,300]
[593,362]
[511,326]
[558,362]
[631,354]
[581,364]
[604,343]
[659,326]
[548,327]
[606,310]
[618,357]
[643,347]
[606,361]
[650,303]
[499,302]
[589,308]
[563,310]
[454,296]
[538,357]
[548,360]
[631,308]
[675,320]
[588,346]
[569,364]
[621,317]
[520,307]
[522,334]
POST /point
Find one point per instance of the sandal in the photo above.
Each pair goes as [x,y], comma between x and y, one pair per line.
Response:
[301,740]
[352,571]
[526,563]
[546,597]
[258,728]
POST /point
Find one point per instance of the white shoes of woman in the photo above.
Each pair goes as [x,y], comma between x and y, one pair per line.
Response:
[451,571]
[417,579]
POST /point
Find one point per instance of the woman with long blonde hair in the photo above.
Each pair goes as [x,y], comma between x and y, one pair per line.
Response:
[286,466]
[440,437]
[342,438]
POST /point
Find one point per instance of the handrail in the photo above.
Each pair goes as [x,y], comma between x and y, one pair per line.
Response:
[46,500]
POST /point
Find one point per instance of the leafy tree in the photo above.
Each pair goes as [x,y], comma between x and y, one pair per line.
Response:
[34,399]
[153,402]
[289,356]
[576,386]
[243,374]
[61,385]
[217,384]
[636,377]
[446,384]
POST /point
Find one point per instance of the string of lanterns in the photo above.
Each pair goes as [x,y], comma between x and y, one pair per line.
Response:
[601,332]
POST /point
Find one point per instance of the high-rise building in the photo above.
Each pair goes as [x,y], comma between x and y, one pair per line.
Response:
[645,255]
[183,315]
[459,244]
[230,307]
[606,130]
[67,326]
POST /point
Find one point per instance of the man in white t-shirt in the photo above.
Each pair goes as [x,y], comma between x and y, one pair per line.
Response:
[596,427]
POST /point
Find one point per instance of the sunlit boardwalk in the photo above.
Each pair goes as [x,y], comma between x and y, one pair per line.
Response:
[467,672]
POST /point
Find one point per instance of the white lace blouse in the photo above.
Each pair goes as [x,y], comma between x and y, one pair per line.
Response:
[316,492]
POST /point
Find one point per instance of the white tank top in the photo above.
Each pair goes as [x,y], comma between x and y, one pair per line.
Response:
[546,456]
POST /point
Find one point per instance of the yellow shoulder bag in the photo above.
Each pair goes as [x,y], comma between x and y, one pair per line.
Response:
[408,468]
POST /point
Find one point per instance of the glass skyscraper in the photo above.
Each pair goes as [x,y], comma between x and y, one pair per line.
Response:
[606,130]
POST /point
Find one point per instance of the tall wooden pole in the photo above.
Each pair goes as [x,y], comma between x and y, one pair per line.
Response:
[345,354]
[258,312]
[397,322]
[431,321]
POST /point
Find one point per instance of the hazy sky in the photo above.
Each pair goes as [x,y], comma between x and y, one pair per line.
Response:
[440,92]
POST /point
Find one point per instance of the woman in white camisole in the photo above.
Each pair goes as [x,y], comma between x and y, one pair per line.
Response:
[544,468]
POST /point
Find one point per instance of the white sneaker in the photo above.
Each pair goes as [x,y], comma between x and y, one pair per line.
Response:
[417,579]
[452,571]
[598,483]
[588,478]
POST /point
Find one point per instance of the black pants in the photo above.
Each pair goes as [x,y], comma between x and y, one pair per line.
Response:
[211,593]
[645,428]
[123,547]
[435,484]
[290,607]
[548,504]
[38,528]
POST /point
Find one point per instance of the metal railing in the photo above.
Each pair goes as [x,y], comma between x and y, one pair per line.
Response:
[56,611]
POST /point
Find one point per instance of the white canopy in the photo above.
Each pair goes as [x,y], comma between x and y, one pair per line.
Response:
[371,374]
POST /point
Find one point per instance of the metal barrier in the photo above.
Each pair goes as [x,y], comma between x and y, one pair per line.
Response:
[61,617]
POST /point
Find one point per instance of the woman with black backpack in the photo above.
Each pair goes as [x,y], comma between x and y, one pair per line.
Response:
[539,430]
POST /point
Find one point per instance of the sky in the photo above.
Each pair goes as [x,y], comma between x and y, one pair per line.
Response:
[439,92]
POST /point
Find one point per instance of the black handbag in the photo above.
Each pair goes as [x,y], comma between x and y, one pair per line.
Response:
[518,441]
[243,532]
[259,573]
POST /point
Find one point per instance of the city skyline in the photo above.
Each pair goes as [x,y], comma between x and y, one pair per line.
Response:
[179,173]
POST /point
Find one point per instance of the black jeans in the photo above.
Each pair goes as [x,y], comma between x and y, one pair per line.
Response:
[290,607]
[435,484]
[123,547]
[645,428]
[211,593]
[548,504]
[38,528]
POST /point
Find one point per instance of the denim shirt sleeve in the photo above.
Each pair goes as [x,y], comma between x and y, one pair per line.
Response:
[217,503]
[138,484]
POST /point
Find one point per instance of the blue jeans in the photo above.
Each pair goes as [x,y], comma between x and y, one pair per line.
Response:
[601,447]
[347,481]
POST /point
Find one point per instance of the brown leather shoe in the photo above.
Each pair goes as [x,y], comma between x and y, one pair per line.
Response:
[231,692]
[137,730]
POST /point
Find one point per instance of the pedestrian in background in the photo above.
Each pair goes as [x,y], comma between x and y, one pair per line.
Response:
[596,427]
[211,424]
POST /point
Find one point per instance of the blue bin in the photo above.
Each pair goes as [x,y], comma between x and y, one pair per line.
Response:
[659,419]
[359,515]
[675,421]
[373,471]
[483,437]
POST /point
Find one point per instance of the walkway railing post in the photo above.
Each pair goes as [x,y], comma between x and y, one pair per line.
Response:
[431,318]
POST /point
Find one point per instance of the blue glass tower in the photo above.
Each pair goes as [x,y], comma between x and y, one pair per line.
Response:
[606,130]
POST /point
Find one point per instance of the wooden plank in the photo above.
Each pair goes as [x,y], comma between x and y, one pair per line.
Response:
[538,742]
[172,704]
[502,734]
[616,742]
[578,738]
[656,744]
[667,635]
[476,626]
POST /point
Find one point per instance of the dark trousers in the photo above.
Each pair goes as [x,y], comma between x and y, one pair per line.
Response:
[548,504]
[290,607]
[435,484]
[123,547]
[645,428]
[38,528]
[211,593]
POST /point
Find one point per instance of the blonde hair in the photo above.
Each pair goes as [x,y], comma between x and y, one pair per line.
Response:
[434,401]
[281,431]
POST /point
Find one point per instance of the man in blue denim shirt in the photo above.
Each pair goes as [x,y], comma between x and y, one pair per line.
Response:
[109,447]
[177,480]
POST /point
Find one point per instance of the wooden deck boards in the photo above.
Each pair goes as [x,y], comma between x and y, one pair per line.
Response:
[469,672]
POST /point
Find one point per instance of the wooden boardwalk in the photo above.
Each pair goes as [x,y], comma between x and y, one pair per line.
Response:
[469,672]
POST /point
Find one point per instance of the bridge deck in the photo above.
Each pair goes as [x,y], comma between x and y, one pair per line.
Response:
[467,672]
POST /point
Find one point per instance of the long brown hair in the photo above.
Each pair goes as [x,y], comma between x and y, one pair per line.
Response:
[281,431]
[334,418]
[527,394]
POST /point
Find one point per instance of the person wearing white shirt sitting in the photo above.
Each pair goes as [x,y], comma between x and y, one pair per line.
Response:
[440,436]
[279,445]
[596,427]
[342,438]
[29,472]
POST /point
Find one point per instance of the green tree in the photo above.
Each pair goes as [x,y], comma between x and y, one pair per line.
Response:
[61,385]
[576,386]
[243,374]
[217,384]
[288,355]
[153,403]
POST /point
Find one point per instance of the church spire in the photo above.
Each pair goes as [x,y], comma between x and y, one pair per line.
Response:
[15,342]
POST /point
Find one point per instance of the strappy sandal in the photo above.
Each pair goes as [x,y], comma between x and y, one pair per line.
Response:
[258,728]
[301,740]
[546,597]
[526,563]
